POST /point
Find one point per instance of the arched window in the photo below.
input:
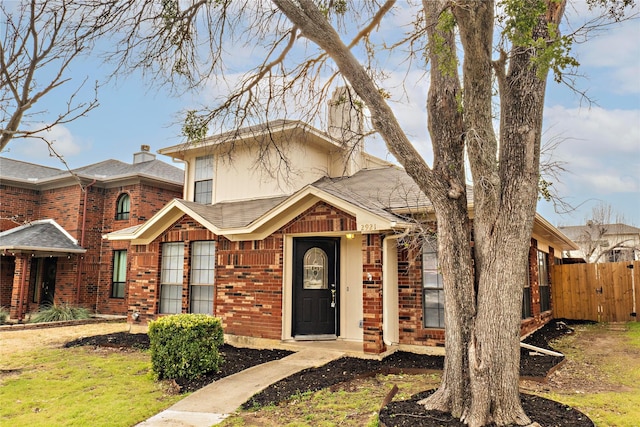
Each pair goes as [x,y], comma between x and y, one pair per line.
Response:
[123,206]
[315,269]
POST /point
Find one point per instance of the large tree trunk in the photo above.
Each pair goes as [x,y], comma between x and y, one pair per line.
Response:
[481,376]
[482,284]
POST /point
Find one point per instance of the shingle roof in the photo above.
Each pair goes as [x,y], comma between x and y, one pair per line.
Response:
[10,168]
[582,233]
[103,171]
[115,168]
[379,191]
[226,215]
[388,188]
[43,235]
[576,232]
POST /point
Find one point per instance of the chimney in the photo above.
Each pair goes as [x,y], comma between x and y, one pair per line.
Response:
[346,124]
[143,155]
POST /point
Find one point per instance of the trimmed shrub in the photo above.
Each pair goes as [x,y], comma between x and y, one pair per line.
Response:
[59,312]
[4,315]
[185,345]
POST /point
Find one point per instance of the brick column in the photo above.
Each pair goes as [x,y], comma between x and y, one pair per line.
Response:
[20,279]
[372,293]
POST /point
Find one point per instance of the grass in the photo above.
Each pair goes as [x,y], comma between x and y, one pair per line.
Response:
[79,387]
[357,403]
[621,407]
[59,312]
[353,404]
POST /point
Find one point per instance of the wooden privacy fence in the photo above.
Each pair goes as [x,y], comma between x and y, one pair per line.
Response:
[606,292]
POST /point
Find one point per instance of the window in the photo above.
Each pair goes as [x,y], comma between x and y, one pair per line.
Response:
[171,277]
[315,266]
[543,280]
[433,287]
[123,207]
[526,293]
[203,180]
[119,274]
[202,277]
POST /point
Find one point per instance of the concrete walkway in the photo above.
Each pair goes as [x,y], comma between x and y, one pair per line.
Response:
[213,403]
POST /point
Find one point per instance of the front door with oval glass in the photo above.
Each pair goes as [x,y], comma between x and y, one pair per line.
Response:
[315,287]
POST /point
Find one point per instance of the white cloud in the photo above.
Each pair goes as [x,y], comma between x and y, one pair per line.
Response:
[612,49]
[62,140]
[601,149]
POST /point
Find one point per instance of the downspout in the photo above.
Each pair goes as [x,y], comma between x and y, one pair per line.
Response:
[386,297]
[82,232]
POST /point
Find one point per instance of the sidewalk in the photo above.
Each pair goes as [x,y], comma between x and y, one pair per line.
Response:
[213,403]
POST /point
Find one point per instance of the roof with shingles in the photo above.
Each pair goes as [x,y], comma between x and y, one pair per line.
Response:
[102,171]
[378,191]
[42,235]
[237,214]
[578,232]
[10,168]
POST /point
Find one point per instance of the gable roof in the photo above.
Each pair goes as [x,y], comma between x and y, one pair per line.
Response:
[44,235]
[103,172]
[257,218]
[256,132]
[378,199]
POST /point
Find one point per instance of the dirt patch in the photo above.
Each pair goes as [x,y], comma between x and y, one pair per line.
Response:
[579,374]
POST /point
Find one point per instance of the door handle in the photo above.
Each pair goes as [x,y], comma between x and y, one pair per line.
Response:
[333,298]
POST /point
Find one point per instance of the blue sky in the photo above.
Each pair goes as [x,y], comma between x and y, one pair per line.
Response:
[600,142]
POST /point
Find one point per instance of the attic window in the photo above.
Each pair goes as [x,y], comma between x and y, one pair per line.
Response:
[123,207]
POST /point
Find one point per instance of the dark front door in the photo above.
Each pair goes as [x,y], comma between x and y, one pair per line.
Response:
[315,286]
[48,281]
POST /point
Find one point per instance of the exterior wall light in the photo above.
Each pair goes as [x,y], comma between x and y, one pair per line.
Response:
[351,236]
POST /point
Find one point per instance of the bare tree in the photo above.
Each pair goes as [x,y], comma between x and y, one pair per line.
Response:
[305,46]
[603,235]
[40,41]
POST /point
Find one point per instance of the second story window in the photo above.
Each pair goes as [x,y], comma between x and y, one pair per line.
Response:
[123,206]
[203,180]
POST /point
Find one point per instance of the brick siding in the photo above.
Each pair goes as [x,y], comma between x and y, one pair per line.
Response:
[65,205]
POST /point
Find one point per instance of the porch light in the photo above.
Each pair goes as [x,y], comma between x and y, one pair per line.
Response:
[351,236]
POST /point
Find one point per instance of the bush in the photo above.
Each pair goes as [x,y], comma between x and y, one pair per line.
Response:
[185,345]
[4,315]
[59,312]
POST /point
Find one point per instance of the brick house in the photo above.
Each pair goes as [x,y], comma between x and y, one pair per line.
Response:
[51,227]
[314,255]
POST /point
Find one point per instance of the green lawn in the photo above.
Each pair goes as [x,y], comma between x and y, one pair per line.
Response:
[49,385]
[79,387]
[620,408]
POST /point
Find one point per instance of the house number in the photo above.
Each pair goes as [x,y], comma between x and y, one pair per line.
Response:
[367,227]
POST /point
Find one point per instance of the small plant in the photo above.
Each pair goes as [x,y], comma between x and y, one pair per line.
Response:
[185,345]
[59,312]
[4,315]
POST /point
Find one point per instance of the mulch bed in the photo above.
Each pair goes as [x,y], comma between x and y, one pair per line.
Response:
[532,366]
[407,413]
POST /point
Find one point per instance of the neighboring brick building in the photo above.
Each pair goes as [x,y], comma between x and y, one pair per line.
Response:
[313,256]
[51,227]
